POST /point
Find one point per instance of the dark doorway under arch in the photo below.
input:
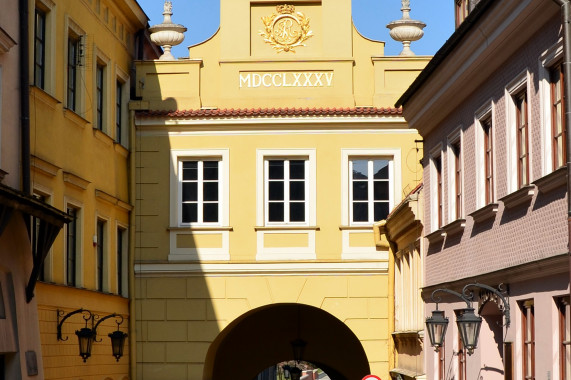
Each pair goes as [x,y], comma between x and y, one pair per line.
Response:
[262,337]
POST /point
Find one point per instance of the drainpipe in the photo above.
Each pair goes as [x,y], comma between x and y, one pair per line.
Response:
[24,97]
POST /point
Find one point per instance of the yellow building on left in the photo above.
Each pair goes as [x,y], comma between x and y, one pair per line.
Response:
[81,52]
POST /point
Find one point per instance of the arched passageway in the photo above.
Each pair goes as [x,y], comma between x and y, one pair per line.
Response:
[262,337]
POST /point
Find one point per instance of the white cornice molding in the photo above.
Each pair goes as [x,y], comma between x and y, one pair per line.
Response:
[6,42]
[266,269]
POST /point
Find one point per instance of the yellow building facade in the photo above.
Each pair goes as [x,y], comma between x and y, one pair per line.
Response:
[81,54]
[262,162]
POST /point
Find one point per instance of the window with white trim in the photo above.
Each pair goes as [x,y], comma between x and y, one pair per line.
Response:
[199,188]
[455,175]
[518,133]
[370,189]
[286,190]
[436,189]
[199,181]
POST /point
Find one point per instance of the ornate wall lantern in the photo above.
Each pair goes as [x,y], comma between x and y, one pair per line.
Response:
[86,336]
[468,322]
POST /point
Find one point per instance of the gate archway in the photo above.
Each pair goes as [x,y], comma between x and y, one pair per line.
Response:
[262,337]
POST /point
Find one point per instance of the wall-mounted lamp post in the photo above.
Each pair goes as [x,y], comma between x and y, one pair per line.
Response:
[468,322]
[86,336]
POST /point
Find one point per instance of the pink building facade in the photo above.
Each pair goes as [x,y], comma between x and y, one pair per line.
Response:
[490,109]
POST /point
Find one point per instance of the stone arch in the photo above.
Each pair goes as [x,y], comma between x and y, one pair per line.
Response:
[262,337]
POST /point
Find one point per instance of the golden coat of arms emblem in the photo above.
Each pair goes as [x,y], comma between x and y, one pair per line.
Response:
[287,29]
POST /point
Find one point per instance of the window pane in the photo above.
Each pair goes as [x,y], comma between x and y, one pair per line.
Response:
[360,169]
[381,169]
[276,212]
[189,170]
[210,190]
[297,212]
[210,170]
[297,191]
[210,212]
[360,192]
[189,212]
[276,191]
[360,212]
[381,210]
[276,169]
[189,191]
[381,190]
[297,169]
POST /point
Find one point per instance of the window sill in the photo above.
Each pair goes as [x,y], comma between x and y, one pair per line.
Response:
[552,181]
[519,197]
[45,97]
[455,227]
[436,236]
[103,137]
[356,228]
[75,118]
[200,228]
[485,213]
[285,227]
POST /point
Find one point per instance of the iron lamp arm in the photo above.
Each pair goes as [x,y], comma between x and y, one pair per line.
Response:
[498,292]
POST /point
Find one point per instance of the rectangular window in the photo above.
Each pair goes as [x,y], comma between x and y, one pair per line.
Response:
[557,116]
[40,49]
[522,138]
[488,159]
[286,190]
[369,190]
[528,339]
[121,262]
[73,47]
[118,111]
[200,191]
[564,338]
[455,175]
[461,360]
[100,95]
[439,198]
[101,225]
[71,248]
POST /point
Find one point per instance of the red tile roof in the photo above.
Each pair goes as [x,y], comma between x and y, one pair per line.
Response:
[268,112]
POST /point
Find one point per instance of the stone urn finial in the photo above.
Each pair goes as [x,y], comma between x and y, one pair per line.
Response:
[406,30]
[167,34]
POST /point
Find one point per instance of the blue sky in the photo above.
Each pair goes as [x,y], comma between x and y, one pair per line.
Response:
[202,18]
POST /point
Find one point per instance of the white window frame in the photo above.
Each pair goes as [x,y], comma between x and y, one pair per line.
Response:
[177,157]
[487,110]
[547,60]
[287,199]
[121,76]
[124,259]
[514,87]
[453,138]
[105,286]
[100,59]
[348,155]
[80,280]
[71,25]
[49,7]
[437,151]
[263,155]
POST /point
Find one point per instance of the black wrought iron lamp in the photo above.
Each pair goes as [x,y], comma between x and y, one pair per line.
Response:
[85,335]
[117,337]
[468,322]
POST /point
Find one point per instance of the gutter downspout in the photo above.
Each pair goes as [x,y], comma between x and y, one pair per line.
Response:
[566,25]
[25,97]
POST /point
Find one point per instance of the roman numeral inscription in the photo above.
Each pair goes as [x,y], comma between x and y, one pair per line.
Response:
[287,79]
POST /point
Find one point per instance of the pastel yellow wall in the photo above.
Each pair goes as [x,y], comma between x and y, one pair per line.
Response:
[184,299]
[73,163]
[179,317]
